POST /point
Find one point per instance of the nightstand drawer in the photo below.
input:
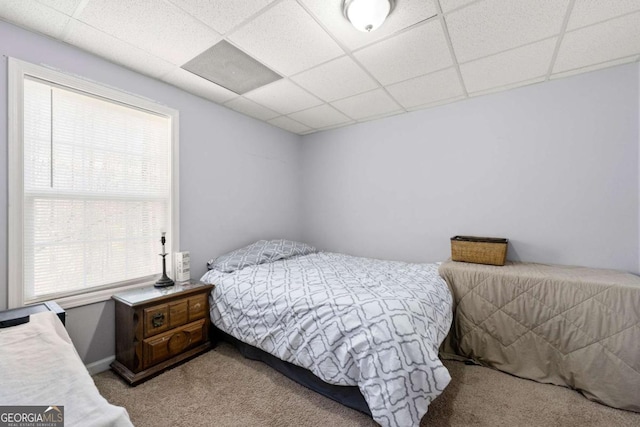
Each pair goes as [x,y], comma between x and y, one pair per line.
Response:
[178,313]
[156,320]
[197,307]
[171,343]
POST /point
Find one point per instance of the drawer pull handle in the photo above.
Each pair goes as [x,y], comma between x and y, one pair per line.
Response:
[196,306]
[157,320]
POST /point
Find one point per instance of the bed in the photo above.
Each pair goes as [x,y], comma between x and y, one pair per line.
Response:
[572,326]
[349,321]
[39,366]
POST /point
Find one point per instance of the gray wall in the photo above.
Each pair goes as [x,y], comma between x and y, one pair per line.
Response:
[238,176]
[553,167]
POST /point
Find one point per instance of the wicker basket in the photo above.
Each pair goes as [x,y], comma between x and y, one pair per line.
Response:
[479,250]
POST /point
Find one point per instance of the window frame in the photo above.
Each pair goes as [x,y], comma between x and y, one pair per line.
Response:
[18,70]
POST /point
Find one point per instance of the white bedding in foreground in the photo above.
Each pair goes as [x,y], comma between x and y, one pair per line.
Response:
[40,366]
[349,320]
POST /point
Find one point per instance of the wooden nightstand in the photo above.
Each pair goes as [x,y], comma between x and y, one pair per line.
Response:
[157,328]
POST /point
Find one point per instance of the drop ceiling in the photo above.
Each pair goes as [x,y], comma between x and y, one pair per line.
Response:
[428,52]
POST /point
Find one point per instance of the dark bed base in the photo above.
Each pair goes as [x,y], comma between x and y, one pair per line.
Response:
[347,395]
[18,316]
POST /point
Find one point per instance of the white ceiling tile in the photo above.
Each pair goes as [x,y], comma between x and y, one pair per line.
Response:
[35,16]
[351,122]
[158,27]
[222,15]
[602,65]
[510,86]
[516,65]
[448,5]
[374,103]
[427,89]
[381,116]
[413,53]
[321,116]
[198,86]
[284,97]
[287,39]
[106,46]
[437,103]
[337,79]
[405,14]
[614,39]
[291,125]
[491,26]
[65,6]
[250,108]
[586,12]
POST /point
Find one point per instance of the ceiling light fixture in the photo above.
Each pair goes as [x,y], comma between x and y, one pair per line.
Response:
[367,15]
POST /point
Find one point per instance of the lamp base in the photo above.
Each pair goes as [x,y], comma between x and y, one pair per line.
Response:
[164,282]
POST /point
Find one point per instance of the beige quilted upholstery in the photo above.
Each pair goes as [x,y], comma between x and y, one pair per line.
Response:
[571,326]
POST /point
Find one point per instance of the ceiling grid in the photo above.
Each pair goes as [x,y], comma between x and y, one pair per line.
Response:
[560,37]
[426,53]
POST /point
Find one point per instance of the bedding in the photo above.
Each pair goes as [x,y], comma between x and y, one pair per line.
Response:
[40,366]
[570,326]
[257,253]
[350,321]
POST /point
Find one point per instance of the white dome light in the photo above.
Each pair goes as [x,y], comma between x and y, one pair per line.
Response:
[367,15]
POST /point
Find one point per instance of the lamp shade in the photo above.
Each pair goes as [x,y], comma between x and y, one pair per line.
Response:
[367,15]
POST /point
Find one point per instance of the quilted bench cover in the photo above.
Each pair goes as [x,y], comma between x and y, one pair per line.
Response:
[570,326]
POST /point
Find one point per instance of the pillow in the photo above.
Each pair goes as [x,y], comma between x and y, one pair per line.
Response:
[258,253]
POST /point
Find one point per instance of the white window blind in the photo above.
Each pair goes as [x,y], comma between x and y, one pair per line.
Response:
[96,191]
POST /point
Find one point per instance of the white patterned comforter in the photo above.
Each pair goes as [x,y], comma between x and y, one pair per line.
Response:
[349,320]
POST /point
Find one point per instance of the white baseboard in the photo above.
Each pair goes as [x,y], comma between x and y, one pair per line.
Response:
[100,365]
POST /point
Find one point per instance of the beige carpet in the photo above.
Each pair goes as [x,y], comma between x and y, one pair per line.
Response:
[222,388]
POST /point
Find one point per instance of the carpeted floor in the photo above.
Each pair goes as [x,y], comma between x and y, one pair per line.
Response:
[222,388]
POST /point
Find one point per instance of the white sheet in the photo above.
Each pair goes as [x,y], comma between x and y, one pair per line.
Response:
[40,366]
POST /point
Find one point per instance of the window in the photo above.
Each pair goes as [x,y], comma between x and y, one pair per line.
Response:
[92,182]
